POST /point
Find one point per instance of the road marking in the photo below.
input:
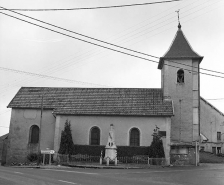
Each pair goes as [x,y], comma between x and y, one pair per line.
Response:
[73,172]
[67,182]
[19,172]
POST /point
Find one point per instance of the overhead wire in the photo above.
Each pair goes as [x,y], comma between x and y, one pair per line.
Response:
[108,47]
[52,69]
[50,77]
[94,44]
[107,42]
[98,7]
[167,23]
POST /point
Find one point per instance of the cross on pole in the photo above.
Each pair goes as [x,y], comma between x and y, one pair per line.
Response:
[178,15]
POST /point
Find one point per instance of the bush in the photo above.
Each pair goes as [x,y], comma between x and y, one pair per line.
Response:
[156,149]
[32,157]
[122,151]
[66,145]
[92,150]
[130,151]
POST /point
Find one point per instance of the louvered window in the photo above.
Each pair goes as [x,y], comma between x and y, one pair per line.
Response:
[180,76]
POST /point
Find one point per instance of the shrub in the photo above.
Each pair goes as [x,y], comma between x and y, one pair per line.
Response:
[122,151]
[66,145]
[32,157]
[156,149]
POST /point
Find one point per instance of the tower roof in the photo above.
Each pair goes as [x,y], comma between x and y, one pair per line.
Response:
[179,49]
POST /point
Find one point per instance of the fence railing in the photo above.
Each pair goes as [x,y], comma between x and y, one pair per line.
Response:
[142,160]
[66,159]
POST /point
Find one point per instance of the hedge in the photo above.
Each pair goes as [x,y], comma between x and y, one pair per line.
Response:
[122,151]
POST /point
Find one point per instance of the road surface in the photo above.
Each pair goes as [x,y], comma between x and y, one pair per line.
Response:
[203,175]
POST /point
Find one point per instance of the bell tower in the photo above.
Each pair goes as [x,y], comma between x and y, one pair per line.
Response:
[181,82]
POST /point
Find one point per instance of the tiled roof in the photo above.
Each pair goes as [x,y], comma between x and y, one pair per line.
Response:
[180,48]
[95,101]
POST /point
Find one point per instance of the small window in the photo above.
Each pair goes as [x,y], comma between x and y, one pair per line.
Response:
[134,137]
[162,133]
[34,134]
[219,136]
[202,148]
[180,76]
[95,136]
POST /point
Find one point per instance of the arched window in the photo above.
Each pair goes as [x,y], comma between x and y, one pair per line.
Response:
[95,136]
[34,134]
[180,76]
[134,137]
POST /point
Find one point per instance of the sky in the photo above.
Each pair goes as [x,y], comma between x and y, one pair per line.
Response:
[148,29]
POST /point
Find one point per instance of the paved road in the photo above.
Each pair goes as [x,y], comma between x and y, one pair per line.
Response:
[209,175]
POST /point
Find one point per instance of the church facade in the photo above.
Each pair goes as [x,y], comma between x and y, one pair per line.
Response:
[176,109]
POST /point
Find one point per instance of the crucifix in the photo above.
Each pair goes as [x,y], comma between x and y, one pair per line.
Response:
[179,26]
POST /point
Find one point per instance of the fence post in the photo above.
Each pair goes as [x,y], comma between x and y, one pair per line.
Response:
[50,160]
[108,161]
[43,159]
[58,159]
[148,160]
[101,161]
[67,159]
[116,161]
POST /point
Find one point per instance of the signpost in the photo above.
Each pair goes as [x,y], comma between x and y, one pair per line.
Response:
[47,151]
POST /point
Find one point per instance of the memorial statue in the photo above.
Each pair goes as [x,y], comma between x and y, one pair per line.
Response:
[111,148]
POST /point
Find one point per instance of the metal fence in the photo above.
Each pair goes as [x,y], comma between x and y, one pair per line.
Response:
[144,160]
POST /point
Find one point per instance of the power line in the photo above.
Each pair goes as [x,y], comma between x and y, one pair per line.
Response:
[98,7]
[216,99]
[80,59]
[49,77]
[102,40]
[3,126]
[103,46]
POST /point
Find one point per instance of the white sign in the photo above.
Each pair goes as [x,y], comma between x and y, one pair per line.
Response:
[47,151]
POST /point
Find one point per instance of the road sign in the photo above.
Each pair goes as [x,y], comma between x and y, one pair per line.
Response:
[47,151]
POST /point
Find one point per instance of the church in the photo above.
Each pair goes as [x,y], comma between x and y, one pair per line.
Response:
[186,121]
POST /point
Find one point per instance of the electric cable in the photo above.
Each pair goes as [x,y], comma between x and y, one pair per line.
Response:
[98,52]
[104,46]
[104,41]
[98,7]
[50,77]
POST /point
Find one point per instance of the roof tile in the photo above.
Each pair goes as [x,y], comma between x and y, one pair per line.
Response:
[95,101]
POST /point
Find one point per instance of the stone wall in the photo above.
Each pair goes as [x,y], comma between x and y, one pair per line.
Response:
[21,121]
[212,121]
[184,159]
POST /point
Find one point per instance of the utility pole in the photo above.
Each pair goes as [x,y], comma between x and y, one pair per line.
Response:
[41,113]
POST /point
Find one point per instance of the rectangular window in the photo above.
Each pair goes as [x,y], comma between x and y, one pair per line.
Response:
[218,136]
[202,148]
[162,133]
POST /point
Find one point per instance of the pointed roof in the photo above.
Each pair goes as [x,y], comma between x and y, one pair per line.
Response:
[179,49]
